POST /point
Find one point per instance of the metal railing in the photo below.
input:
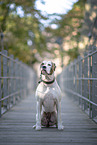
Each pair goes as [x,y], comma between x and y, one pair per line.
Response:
[79,79]
[17,81]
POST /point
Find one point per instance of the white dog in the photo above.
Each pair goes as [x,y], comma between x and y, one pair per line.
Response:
[48,95]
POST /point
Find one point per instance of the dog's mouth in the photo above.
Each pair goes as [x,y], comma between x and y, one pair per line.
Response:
[43,71]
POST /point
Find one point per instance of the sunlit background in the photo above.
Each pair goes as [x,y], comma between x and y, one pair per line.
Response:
[38,30]
[50,7]
[54,6]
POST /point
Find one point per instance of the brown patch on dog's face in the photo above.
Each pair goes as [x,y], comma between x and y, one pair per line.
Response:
[53,68]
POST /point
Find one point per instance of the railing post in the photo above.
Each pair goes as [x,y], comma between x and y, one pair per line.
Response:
[0,85]
[85,82]
[8,83]
[75,65]
[73,76]
[90,87]
[69,77]
[5,82]
[21,80]
[67,73]
[13,99]
[94,83]
[11,74]
[80,78]
[16,79]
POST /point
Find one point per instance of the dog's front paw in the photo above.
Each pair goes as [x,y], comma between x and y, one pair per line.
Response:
[60,127]
[38,127]
[34,126]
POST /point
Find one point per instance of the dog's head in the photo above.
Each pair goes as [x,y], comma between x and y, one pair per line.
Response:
[47,67]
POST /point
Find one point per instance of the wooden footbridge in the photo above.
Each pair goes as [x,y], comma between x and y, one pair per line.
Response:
[18,104]
[16,126]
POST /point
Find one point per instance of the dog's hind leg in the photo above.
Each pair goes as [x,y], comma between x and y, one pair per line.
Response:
[53,119]
[44,120]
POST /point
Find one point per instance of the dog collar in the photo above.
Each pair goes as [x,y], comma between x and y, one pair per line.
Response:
[47,82]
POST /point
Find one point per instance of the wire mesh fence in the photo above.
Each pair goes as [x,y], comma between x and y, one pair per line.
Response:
[79,79]
[17,81]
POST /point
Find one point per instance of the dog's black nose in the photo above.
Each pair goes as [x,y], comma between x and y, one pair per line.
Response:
[44,67]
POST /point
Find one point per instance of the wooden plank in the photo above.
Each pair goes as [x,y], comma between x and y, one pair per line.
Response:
[16,126]
[50,144]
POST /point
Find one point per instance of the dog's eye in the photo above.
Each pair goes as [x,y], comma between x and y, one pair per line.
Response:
[49,64]
[42,64]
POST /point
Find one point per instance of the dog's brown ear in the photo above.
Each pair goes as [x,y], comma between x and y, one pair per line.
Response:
[54,66]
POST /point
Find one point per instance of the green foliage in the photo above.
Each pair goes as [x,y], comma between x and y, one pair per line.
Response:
[19,29]
[73,20]
[69,27]
[73,53]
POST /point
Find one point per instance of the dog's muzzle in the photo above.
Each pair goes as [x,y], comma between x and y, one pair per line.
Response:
[43,69]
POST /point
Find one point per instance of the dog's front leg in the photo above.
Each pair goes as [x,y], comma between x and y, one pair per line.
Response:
[38,115]
[60,126]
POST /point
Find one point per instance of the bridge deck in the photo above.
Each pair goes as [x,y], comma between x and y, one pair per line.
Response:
[16,126]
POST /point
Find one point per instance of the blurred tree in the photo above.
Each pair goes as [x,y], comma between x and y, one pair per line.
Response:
[20,23]
[26,36]
[68,28]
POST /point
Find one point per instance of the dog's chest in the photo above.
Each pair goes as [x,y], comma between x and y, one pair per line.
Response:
[45,92]
[49,100]
[49,97]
